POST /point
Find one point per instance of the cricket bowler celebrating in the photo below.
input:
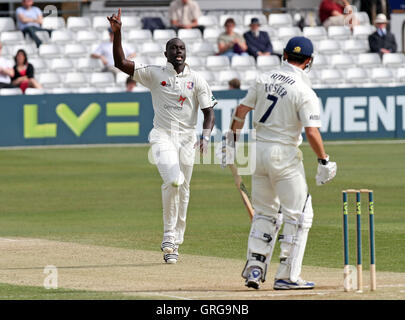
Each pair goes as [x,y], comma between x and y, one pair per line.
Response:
[283,102]
[177,93]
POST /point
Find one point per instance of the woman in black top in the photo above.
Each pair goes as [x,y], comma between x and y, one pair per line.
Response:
[24,72]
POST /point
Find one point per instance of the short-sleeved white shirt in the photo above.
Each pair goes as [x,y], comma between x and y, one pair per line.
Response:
[5,64]
[175,97]
[283,103]
[105,49]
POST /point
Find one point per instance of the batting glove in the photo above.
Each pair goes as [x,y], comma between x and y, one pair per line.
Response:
[326,171]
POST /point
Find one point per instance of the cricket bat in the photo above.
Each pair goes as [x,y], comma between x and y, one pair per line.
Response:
[242,190]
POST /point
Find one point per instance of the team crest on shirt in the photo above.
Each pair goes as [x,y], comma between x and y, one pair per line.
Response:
[190,85]
[182,99]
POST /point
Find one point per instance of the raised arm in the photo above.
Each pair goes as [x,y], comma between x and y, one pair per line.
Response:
[120,61]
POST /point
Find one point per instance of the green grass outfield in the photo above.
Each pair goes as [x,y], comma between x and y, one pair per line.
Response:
[111,196]
[13,292]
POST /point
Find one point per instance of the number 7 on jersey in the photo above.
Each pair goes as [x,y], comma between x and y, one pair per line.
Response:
[266,115]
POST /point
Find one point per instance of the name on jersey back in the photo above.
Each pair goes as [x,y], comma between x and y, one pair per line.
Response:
[278,88]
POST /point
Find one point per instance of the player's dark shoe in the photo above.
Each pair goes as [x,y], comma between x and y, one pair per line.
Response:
[282,284]
[254,278]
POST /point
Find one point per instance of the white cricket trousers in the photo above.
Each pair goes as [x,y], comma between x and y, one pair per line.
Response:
[173,155]
[278,182]
[279,179]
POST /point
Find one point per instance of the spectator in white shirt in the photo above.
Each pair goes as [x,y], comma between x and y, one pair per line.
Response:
[6,71]
[104,52]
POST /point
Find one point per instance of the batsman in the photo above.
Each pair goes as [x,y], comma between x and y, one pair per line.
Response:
[283,103]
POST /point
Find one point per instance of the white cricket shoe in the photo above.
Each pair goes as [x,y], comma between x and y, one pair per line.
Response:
[282,284]
[254,277]
[171,258]
[168,245]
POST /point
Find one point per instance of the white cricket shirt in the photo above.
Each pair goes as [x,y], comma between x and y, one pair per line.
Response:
[175,97]
[106,49]
[5,64]
[283,103]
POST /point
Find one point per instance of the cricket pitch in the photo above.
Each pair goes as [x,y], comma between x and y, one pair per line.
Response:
[143,273]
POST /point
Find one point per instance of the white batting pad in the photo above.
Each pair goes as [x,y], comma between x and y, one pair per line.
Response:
[262,238]
[293,243]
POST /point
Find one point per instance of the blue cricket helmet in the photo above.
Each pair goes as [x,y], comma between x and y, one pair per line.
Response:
[300,46]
